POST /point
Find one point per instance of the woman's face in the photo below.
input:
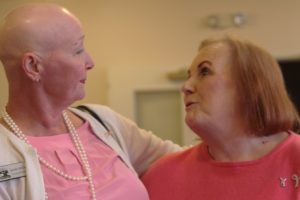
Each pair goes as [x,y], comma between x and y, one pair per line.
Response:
[65,69]
[209,91]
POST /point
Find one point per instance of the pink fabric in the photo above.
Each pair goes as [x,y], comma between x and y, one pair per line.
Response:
[113,179]
[193,175]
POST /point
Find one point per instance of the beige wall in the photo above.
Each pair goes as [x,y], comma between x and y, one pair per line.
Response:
[157,34]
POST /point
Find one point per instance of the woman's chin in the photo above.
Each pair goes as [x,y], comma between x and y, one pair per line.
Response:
[79,97]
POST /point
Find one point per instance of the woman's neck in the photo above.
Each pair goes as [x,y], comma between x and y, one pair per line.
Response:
[36,120]
[245,147]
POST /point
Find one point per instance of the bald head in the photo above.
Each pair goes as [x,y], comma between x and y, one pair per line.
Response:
[35,28]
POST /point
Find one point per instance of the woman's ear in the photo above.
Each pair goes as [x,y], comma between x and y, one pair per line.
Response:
[31,64]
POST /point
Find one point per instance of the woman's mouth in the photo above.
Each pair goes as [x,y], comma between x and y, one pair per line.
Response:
[189,104]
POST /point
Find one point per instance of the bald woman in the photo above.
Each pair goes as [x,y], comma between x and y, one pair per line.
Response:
[49,150]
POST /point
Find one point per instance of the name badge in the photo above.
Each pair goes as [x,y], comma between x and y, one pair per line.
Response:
[12,171]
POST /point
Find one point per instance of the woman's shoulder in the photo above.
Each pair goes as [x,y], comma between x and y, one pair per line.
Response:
[294,141]
[170,164]
[175,160]
[98,108]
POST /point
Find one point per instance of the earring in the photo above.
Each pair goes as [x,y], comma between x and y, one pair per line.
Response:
[37,79]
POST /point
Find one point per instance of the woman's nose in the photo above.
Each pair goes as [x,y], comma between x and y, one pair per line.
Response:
[89,62]
[187,87]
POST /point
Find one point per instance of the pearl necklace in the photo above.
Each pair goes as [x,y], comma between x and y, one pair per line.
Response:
[78,146]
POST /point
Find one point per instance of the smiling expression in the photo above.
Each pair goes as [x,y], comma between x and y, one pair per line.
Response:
[209,92]
[65,67]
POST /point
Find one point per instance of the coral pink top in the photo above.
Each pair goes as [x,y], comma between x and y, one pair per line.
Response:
[112,178]
[194,175]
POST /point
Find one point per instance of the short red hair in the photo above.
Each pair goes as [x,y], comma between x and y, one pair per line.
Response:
[263,97]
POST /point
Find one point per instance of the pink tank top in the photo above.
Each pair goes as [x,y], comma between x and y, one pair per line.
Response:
[112,178]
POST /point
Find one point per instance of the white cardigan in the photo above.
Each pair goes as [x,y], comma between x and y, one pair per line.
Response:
[136,147]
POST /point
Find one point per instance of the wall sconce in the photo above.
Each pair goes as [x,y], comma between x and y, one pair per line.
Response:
[178,75]
[225,21]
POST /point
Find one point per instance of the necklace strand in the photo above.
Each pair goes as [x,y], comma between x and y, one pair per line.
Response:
[78,145]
